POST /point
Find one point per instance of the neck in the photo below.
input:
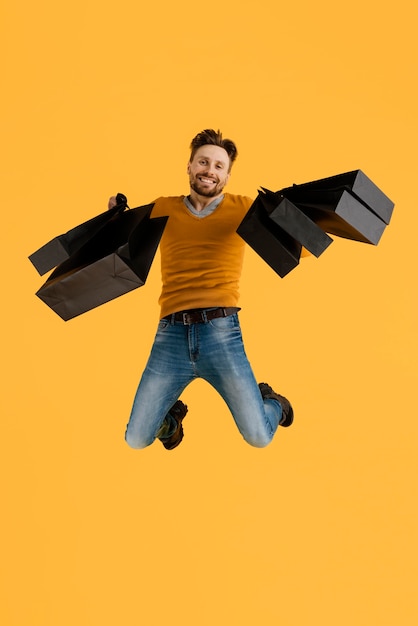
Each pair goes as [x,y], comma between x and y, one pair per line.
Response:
[201,202]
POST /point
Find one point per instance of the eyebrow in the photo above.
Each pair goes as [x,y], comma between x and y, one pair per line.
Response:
[203,156]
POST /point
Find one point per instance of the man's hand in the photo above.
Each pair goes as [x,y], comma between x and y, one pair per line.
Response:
[119,199]
[112,202]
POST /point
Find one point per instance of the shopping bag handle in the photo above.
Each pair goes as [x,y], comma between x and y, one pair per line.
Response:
[121,201]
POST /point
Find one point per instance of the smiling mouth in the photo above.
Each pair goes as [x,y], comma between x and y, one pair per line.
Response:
[207,181]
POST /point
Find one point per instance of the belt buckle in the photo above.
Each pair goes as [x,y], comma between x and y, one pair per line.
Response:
[187,318]
[191,317]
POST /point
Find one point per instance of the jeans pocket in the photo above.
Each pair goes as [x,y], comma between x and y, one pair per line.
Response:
[163,324]
[230,322]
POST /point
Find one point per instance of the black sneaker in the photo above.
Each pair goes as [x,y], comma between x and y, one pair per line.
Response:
[287,411]
[178,411]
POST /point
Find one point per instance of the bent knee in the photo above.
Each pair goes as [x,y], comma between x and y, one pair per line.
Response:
[258,441]
[136,442]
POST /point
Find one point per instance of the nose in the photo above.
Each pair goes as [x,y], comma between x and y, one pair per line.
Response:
[211,168]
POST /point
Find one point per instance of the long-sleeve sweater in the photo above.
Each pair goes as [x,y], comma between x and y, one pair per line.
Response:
[201,257]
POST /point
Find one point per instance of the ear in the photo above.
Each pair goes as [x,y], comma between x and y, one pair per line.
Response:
[188,167]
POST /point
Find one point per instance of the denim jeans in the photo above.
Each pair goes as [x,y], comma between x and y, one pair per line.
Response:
[213,351]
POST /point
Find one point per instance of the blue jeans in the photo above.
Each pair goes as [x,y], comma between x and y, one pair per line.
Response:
[213,351]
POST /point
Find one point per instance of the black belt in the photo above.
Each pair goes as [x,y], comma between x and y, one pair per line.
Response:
[200,316]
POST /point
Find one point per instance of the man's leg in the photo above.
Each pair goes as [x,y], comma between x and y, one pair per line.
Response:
[166,375]
[224,365]
[171,431]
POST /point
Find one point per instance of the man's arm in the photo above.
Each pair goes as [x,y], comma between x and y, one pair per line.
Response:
[119,199]
[112,202]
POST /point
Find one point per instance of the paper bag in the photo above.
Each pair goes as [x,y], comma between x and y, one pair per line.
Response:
[347,205]
[279,249]
[296,224]
[61,247]
[358,184]
[113,262]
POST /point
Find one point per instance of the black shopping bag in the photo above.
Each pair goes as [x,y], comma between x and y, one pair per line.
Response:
[279,249]
[63,246]
[348,205]
[296,224]
[113,262]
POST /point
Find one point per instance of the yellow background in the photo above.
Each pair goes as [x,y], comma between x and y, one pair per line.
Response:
[318,528]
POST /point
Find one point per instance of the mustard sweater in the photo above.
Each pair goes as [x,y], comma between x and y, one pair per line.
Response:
[201,257]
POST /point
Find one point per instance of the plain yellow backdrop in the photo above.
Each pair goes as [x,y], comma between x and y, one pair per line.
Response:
[318,528]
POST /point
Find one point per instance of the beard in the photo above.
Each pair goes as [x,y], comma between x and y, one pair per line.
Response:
[203,190]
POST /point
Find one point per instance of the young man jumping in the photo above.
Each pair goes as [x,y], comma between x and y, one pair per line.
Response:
[199,334]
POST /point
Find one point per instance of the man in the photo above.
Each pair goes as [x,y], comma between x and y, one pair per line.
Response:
[199,334]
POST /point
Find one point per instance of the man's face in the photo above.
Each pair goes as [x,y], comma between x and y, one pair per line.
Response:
[209,171]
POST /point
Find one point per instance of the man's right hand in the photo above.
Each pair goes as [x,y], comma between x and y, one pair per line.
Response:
[120,199]
[112,202]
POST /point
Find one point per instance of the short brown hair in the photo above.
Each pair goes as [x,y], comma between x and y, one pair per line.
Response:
[214,138]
